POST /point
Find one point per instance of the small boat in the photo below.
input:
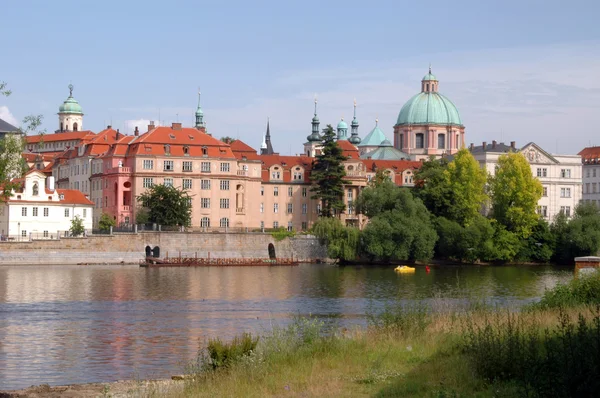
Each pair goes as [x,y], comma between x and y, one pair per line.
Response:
[404,269]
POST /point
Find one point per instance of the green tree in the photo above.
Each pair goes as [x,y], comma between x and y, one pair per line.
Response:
[539,246]
[515,194]
[228,140]
[105,222]
[342,242]
[400,227]
[431,188]
[142,216]
[3,90]
[328,174]
[471,243]
[77,227]
[579,236]
[465,181]
[167,205]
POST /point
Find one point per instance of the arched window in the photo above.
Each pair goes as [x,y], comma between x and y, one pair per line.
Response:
[224,222]
[36,189]
[186,150]
[205,222]
[204,151]
[441,141]
[62,127]
[75,126]
[167,149]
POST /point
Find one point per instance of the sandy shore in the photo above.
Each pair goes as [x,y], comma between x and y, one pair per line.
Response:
[118,389]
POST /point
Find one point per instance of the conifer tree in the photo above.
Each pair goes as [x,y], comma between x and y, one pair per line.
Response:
[328,175]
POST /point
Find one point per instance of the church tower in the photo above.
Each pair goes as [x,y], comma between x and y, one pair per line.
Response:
[200,116]
[70,114]
[354,138]
[314,139]
[266,148]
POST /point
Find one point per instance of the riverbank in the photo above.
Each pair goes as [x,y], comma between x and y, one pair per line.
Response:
[126,388]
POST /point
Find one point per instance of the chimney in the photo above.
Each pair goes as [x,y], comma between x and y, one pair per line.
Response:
[513,145]
[108,127]
[472,147]
[50,183]
[117,135]
[176,126]
[136,132]
[494,144]
[484,145]
[151,125]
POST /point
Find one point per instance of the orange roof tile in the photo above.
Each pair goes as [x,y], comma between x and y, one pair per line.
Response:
[349,150]
[72,135]
[74,197]
[592,152]
[287,163]
[241,146]
[395,165]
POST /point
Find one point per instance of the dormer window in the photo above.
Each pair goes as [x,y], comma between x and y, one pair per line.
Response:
[204,151]
[186,150]
[167,149]
[61,197]
[171,136]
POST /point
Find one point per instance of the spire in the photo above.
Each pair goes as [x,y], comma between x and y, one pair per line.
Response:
[314,136]
[70,90]
[267,148]
[354,138]
[199,114]
[430,68]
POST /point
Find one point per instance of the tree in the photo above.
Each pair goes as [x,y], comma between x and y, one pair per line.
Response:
[465,181]
[228,140]
[342,242]
[471,243]
[578,237]
[539,246]
[400,227]
[328,174]
[431,188]
[142,216]
[3,90]
[515,194]
[106,221]
[77,227]
[167,205]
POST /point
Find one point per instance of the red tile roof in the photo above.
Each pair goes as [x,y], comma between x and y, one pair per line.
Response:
[396,165]
[74,197]
[349,150]
[287,163]
[590,153]
[72,135]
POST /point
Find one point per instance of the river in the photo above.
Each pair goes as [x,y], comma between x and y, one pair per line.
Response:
[79,324]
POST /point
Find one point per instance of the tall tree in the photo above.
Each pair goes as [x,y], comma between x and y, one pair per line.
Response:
[465,181]
[328,174]
[515,194]
[431,187]
[167,205]
[579,236]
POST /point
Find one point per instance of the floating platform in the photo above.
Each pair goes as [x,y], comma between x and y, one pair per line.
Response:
[215,262]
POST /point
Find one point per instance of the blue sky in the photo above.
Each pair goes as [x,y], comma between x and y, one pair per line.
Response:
[517,70]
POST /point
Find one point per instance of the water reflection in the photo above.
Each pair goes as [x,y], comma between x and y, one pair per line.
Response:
[74,324]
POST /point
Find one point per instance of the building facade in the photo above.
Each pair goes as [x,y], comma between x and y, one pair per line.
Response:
[591,174]
[560,175]
[40,211]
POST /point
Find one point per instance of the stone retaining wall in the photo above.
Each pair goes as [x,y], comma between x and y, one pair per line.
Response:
[129,248]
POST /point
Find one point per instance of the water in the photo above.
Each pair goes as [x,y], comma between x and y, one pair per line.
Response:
[80,324]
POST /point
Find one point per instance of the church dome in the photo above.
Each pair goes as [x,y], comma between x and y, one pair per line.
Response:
[429,107]
[70,105]
[342,124]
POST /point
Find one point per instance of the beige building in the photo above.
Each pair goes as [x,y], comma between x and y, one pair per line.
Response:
[591,174]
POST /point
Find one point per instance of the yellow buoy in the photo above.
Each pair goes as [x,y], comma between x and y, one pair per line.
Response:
[404,269]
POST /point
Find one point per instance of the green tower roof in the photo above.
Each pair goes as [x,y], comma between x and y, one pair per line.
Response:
[70,105]
[429,108]
[374,138]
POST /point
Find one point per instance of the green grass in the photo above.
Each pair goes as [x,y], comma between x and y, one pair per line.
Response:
[418,352]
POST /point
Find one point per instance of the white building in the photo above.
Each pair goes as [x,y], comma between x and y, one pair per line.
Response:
[39,211]
[591,174]
[560,175]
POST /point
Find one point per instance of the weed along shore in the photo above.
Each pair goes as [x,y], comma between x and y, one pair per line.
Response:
[546,349]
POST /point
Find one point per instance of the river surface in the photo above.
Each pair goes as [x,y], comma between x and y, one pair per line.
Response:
[80,324]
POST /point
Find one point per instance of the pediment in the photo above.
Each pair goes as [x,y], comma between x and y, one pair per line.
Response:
[535,154]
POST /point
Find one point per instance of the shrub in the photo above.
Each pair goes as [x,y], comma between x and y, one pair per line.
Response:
[223,355]
[281,233]
[105,222]
[77,227]
[584,290]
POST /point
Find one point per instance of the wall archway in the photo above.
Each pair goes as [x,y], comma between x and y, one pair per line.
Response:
[272,253]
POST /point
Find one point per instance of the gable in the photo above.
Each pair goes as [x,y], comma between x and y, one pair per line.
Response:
[535,154]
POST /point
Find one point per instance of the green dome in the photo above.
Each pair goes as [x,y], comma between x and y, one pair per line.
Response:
[70,106]
[374,138]
[429,108]
[342,125]
[429,77]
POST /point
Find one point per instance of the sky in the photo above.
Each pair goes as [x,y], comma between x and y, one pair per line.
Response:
[521,71]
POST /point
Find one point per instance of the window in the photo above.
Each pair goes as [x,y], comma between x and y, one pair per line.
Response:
[593,187]
[224,184]
[565,192]
[168,165]
[542,211]
[187,183]
[594,172]
[276,175]
[544,191]
[204,184]
[275,207]
[304,225]
[350,206]
[148,182]
[350,194]
[565,173]
[262,191]
[84,213]
[167,149]
[186,166]
[45,212]
[204,151]
[148,164]
[566,210]
[441,141]
[275,191]
[304,208]
[262,207]
[224,222]
[401,142]
[35,211]
[205,167]
[275,224]
[290,226]
[168,182]
[24,211]
[66,212]
[45,234]
[290,191]
[205,203]
[186,150]
[290,208]
[419,140]
[318,209]
[587,173]
[304,192]
[23,233]
[587,187]
[224,203]
[205,222]
[298,175]
[224,167]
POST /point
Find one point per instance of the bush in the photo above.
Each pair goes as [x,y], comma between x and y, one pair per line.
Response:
[281,233]
[105,222]
[77,227]
[562,362]
[584,290]
[219,354]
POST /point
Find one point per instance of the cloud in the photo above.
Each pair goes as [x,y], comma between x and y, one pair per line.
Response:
[7,116]
[141,124]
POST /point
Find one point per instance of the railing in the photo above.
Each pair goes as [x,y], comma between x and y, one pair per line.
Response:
[117,170]
[126,208]
[242,173]
[355,174]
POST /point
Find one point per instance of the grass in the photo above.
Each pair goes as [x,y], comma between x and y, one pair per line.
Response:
[420,352]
